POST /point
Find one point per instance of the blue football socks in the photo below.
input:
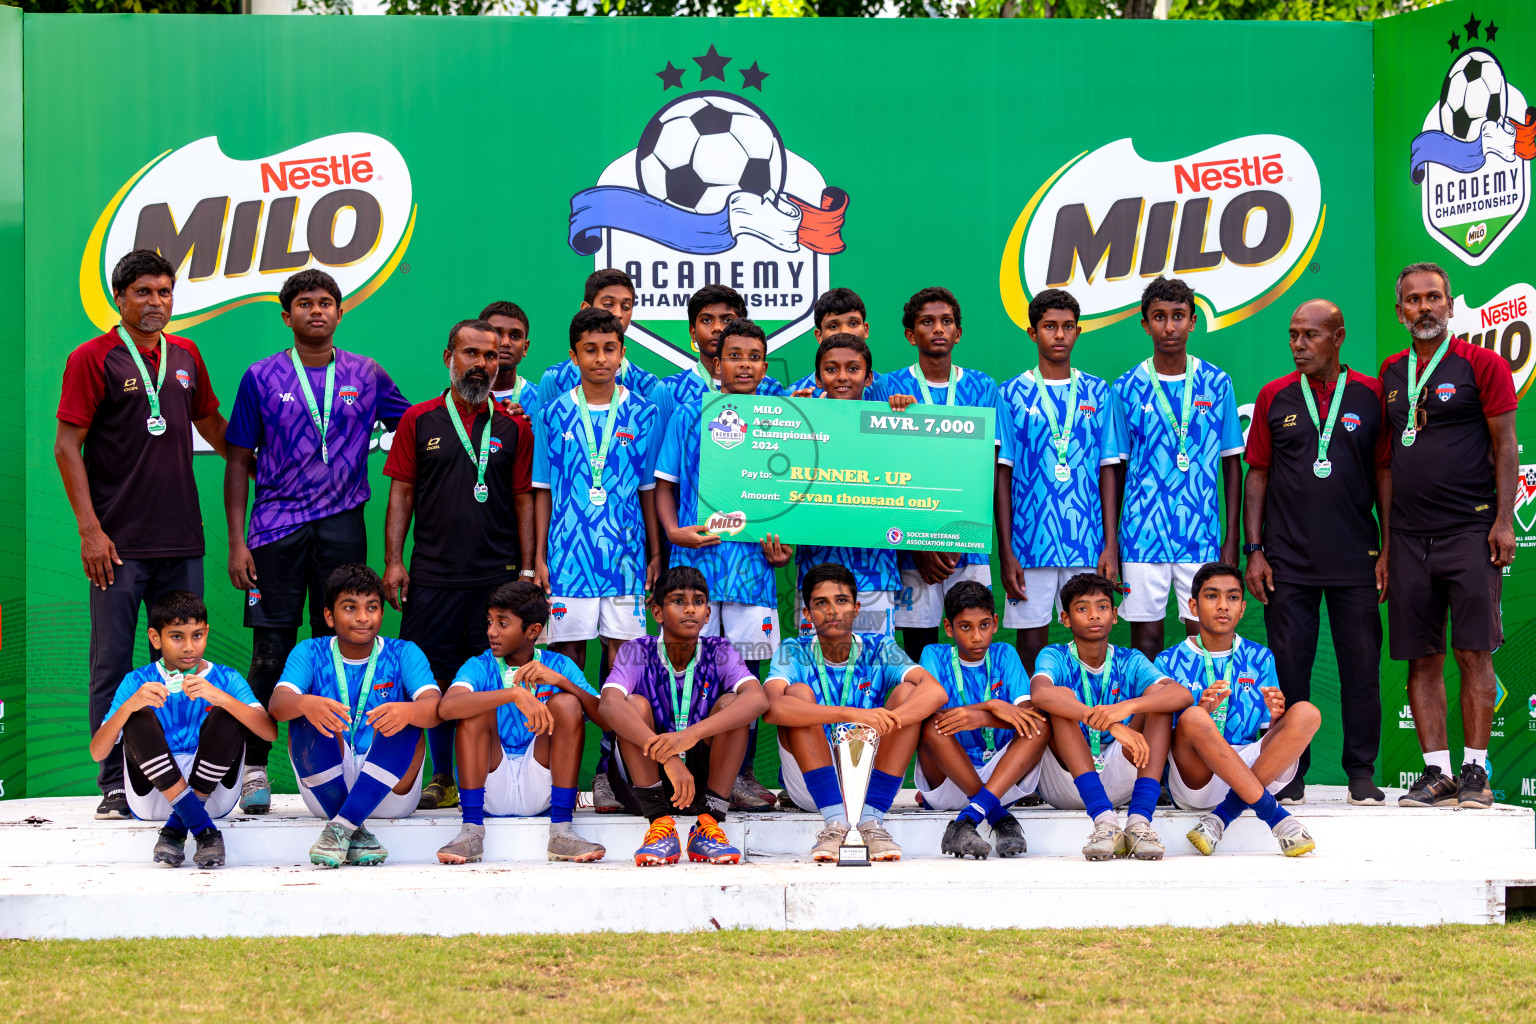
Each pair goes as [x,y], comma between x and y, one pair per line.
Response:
[883,788]
[188,808]
[562,803]
[1230,808]
[1269,810]
[1091,788]
[1144,797]
[826,793]
[472,803]
[981,808]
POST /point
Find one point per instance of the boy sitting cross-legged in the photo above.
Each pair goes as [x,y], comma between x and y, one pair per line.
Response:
[839,674]
[356,704]
[1111,719]
[181,721]
[1240,744]
[981,752]
[681,705]
[522,716]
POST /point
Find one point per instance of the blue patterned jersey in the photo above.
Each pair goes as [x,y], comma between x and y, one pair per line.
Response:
[596,550]
[401,674]
[686,387]
[1169,515]
[527,396]
[1245,668]
[1006,680]
[1129,677]
[1055,523]
[872,568]
[735,570]
[564,375]
[880,668]
[181,719]
[482,674]
[972,388]
[871,393]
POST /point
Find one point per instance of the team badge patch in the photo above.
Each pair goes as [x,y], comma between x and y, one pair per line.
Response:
[184,378]
[728,429]
[558,610]
[347,393]
[1445,391]
[251,597]
[1351,422]
[495,444]
[767,625]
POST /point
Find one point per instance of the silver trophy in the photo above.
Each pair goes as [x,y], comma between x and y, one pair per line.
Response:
[855,746]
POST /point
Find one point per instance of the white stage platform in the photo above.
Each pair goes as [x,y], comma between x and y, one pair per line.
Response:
[65,875]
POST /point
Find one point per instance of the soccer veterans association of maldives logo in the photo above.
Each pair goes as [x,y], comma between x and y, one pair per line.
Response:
[235,230]
[728,429]
[711,195]
[1246,216]
[1525,499]
[1472,160]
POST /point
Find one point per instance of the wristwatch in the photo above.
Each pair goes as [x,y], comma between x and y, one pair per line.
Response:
[527,573]
[1249,549]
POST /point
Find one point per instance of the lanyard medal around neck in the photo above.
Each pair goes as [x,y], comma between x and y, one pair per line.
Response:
[825,693]
[922,385]
[1219,716]
[1180,427]
[322,422]
[1322,467]
[481,491]
[682,697]
[363,690]
[988,734]
[598,456]
[1085,694]
[1415,385]
[156,423]
[1061,431]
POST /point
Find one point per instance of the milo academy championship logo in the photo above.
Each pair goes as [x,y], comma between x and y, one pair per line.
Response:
[712,195]
[1472,160]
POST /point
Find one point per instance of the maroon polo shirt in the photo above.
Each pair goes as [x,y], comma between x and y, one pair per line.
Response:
[142,486]
[1319,531]
[1444,483]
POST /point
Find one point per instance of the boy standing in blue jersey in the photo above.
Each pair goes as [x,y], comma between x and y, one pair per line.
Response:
[711,310]
[183,723]
[522,720]
[1240,743]
[514,394]
[356,704]
[304,417]
[844,373]
[596,540]
[680,704]
[1111,720]
[931,319]
[1057,490]
[981,752]
[1181,432]
[842,674]
[744,605]
[837,311]
[613,292]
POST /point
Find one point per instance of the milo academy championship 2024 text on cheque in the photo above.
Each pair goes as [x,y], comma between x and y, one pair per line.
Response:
[851,474]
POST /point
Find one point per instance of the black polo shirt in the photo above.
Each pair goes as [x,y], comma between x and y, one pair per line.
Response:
[1319,531]
[1444,483]
[461,542]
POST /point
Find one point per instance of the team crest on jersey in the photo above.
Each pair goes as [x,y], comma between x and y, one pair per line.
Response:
[495,444]
[995,687]
[728,429]
[252,596]
[184,378]
[347,393]
[557,610]
[1203,402]
[711,195]
[624,438]
[1444,392]
[1245,680]
[1085,407]
[1472,160]
[1351,422]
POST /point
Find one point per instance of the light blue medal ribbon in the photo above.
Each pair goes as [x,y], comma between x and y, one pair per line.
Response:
[1180,427]
[509,673]
[922,385]
[825,692]
[1061,432]
[1219,716]
[1085,694]
[597,456]
[322,422]
[682,698]
[156,423]
[1322,467]
[987,734]
[710,387]
[356,712]
[481,491]
[1415,385]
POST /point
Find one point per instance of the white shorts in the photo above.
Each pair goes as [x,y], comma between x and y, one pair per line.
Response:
[153,806]
[949,797]
[1149,583]
[920,604]
[1058,789]
[519,787]
[877,613]
[1043,588]
[1215,791]
[794,778]
[751,628]
[394,805]
[587,618]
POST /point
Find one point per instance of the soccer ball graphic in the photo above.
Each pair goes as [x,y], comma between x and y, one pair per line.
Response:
[700,149]
[1474,92]
[731,420]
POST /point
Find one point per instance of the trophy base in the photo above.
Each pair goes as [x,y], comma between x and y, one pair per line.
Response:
[853,856]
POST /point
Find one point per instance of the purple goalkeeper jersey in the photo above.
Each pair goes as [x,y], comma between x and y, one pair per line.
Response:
[294,485]
[639,670]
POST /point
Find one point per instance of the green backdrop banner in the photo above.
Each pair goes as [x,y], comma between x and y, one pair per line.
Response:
[13,520]
[433,165]
[1453,179]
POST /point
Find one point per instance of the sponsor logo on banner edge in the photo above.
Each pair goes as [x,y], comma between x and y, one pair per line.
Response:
[727,524]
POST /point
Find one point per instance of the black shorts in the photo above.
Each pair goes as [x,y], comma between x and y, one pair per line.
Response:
[1428,576]
[447,623]
[297,565]
[697,760]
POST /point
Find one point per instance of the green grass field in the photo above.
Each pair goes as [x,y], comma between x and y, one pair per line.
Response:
[933,975]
